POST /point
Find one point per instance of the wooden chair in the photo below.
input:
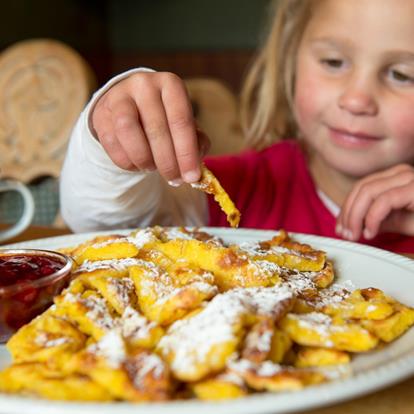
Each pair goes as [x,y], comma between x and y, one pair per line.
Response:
[216,111]
[44,85]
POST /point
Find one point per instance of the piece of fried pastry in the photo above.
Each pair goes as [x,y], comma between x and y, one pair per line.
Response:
[137,375]
[89,311]
[226,385]
[200,344]
[168,294]
[320,330]
[46,339]
[231,267]
[265,341]
[370,303]
[274,377]
[315,357]
[393,326]
[39,380]
[210,185]
[284,252]
[115,247]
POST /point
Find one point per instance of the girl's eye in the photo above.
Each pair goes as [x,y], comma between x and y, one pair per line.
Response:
[333,63]
[400,77]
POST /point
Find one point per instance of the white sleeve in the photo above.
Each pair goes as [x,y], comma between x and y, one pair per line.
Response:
[95,194]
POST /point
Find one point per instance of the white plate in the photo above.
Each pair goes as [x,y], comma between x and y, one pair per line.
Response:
[365,266]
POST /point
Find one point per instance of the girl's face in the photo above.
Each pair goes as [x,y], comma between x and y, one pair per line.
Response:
[354,89]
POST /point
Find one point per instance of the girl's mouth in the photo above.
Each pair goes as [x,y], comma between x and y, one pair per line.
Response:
[350,139]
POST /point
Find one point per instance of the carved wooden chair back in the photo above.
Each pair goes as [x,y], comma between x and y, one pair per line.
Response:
[216,111]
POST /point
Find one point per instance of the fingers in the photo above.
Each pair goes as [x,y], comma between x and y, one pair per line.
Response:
[346,210]
[182,127]
[370,202]
[392,211]
[129,133]
[157,132]
[146,122]
[102,124]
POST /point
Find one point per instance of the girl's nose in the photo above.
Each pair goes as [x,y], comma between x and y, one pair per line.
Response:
[358,101]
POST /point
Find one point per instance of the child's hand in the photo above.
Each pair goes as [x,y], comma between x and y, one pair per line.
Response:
[145,122]
[378,203]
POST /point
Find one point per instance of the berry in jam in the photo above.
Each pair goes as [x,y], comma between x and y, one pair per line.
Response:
[24,268]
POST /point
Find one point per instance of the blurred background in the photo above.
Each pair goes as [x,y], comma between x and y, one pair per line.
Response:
[55,53]
[213,38]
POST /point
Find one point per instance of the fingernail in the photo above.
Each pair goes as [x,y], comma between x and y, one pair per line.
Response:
[348,234]
[175,183]
[367,234]
[338,229]
[147,170]
[191,176]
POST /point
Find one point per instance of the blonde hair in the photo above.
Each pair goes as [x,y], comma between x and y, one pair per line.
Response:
[267,112]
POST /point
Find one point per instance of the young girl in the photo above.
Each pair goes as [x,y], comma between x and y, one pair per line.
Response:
[337,75]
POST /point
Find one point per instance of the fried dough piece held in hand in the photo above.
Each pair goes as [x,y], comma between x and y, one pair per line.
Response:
[211,185]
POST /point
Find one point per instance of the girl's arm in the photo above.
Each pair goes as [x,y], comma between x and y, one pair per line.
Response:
[96,194]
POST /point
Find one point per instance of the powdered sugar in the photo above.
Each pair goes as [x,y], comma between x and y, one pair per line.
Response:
[263,369]
[333,295]
[139,239]
[190,340]
[142,237]
[111,347]
[263,301]
[231,377]
[42,340]
[144,364]
[121,289]
[161,284]
[116,264]
[134,325]
[97,309]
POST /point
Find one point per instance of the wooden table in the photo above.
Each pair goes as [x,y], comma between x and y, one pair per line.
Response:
[35,232]
[398,399]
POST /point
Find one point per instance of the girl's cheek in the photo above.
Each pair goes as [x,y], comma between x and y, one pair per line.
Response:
[306,100]
[401,125]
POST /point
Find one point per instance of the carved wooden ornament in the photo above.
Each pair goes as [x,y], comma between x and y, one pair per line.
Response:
[44,85]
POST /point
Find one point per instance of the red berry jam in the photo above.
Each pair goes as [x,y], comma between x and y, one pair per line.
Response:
[22,269]
[25,288]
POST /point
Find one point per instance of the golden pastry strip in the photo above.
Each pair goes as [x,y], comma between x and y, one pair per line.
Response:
[230,267]
[210,185]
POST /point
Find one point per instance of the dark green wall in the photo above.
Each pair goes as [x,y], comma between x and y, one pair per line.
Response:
[185,24]
[81,24]
[191,37]
[128,25]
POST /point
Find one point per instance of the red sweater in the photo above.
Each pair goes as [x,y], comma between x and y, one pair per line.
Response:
[273,189]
